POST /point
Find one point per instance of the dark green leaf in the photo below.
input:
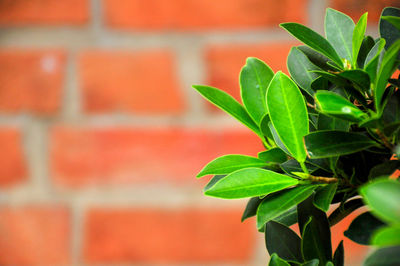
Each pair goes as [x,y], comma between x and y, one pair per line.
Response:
[288,114]
[320,83]
[339,32]
[299,67]
[278,203]
[254,80]
[373,59]
[292,166]
[227,103]
[362,228]
[250,182]
[324,195]
[313,40]
[359,77]
[213,181]
[335,105]
[277,139]
[322,144]
[314,262]
[344,210]
[395,21]
[274,155]
[229,163]
[338,257]
[366,46]
[264,127]
[288,218]
[383,197]
[358,36]
[251,208]
[389,256]
[384,169]
[316,58]
[283,241]
[331,123]
[387,236]
[276,261]
[386,29]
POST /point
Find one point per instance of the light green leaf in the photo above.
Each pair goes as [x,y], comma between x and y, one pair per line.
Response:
[276,261]
[387,236]
[254,80]
[335,105]
[299,67]
[278,203]
[385,71]
[323,197]
[250,182]
[323,144]
[383,197]
[358,36]
[229,163]
[227,103]
[339,32]
[288,113]
[313,40]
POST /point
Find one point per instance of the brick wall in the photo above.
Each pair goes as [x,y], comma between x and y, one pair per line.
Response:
[101,135]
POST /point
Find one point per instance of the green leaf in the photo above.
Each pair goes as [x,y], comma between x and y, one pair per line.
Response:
[383,197]
[362,228]
[358,77]
[311,244]
[251,208]
[276,261]
[274,155]
[287,218]
[344,209]
[254,80]
[331,123]
[299,67]
[358,36]
[339,32]
[384,169]
[386,29]
[313,40]
[288,113]
[366,46]
[395,21]
[291,166]
[314,262]
[389,256]
[277,139]
[338,257]
[229,163]
[250,182]
[386,70]
[213,181]
[283,241]
[373,58]
[322,144]
[227,103]
[323,196]
[316,58]
[387,236]
[278,203]
[335,105]
[264,127]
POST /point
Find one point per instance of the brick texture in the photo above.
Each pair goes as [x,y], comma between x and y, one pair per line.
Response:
[143,82]
[33,235]
[167,236]
[224,62]
[355,8]
[202,14]
[12,161]
[89,156]
[43,12]
[31,80]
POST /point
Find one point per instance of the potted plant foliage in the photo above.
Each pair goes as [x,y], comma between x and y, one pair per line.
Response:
[331,133]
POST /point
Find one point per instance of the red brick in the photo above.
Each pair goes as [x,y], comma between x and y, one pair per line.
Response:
[44,12]
[355,8]
[202,14]
[12,161]
[143,82]
[224,62]
[31,80]
[33,235]
[167,236]
[99,156]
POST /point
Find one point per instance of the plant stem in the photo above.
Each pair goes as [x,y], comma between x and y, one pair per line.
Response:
[321,179]
[303,166]
[384,139]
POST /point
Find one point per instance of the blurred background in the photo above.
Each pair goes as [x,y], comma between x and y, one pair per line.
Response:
[101,134]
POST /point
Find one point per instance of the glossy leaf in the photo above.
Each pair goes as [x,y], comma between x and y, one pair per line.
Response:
[387,236]
[339,32]
[331,123]
[358,36]
[384,169]
[229,163]
[395,21]
[274,155]
[276,261]
[373,58]
[322,144]
[251,208]
[323,197]
[287,218]
[277,139]
[314,262]
[227,103]
[344,209]
[264,127]
[213,181]
[281,240]
[291,166]
[250,182]
[338,257]
[315,57]
[386,29]
[365,48]
[288,113]
[254,80]
[299,67]
[278,203]
[335,105]
[389,256]
[313,40]
[359,78]
[382,197]
[386,70]
[362,228]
